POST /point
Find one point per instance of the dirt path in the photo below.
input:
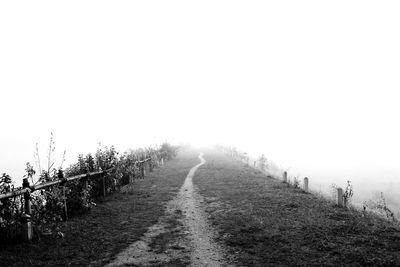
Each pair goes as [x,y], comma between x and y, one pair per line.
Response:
[181,237]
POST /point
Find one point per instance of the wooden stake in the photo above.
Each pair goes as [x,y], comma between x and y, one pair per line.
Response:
[65,204]
[104,186]
[143,170]
[340,197]
[86,181]
[26,217]
[306,184]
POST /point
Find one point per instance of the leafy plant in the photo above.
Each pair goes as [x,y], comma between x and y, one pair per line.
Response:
[48,203]
[262,162]
[348,193]
[168,151]
[380,206]
[9,210]
[30,172]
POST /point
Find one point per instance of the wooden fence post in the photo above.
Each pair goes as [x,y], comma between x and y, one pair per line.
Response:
[86,183]
[340,197]
[65,204]
[306,184]
[150,166]
[162,161]
[285,176]
[142,169]
[26,217]
[60,176]
[132,175]
[104,186]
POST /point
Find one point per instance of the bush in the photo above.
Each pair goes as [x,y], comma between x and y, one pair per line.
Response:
[9,210]
[380,207]
[168,151]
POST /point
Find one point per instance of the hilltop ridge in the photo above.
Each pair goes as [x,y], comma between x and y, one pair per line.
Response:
[250,219]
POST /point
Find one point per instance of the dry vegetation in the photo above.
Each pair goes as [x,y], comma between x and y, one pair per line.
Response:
[263,222]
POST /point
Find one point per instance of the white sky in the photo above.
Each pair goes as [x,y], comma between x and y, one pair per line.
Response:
[311,84]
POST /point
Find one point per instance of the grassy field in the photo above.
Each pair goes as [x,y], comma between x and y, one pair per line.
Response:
[96,237]
[263,222]
[259,221]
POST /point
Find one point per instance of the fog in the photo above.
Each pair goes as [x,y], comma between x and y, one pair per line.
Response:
[312,85]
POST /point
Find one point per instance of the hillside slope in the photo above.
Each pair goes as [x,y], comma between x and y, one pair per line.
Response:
[264,222]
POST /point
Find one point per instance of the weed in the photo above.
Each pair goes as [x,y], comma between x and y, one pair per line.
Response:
[262,162]
[348,193]
[30,172]
[296,182]
[380,206]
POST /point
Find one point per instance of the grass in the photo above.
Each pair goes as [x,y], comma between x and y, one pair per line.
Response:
[260,220]
[96,237]
[263,222]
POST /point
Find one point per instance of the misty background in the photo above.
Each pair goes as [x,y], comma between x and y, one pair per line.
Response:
[312,85]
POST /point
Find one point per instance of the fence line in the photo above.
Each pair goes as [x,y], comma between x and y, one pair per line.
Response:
[27,189]
[260,164]
[30,188]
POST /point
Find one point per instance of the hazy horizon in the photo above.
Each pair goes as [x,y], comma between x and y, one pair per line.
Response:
[313,85]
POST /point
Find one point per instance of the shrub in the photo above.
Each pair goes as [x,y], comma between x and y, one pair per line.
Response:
[9,210]
[380,207]
[348,194]
[168,151]
[47,204]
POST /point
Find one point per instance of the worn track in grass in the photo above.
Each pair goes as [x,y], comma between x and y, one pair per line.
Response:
[190,239]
